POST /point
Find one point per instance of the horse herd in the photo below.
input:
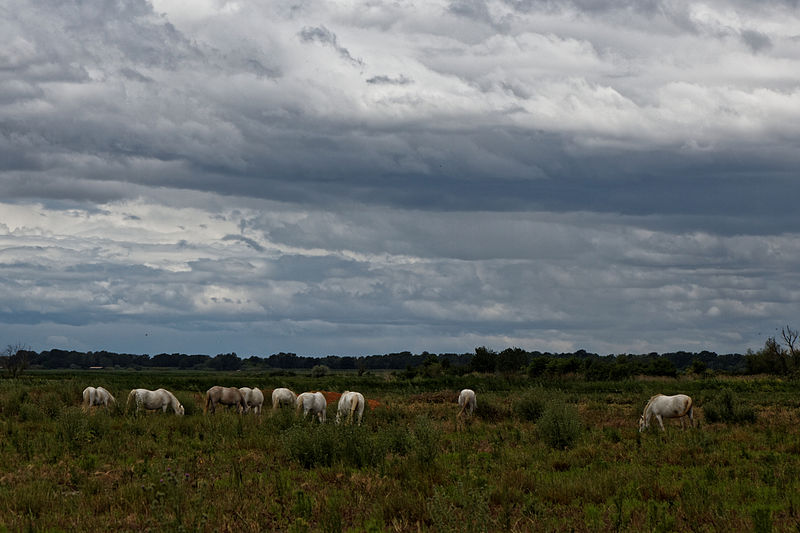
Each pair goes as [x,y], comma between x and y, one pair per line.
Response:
[350,407]
[243,399]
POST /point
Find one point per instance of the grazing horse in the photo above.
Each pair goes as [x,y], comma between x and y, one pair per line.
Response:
[314,403]
[466,400]
[97,396]
[229,396]
[351,404]
[661,406]
[153,400]
[252,398]
[282,396]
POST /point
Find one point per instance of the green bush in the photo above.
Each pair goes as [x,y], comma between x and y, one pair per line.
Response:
[189,402]
[724,408]
[560,426]
[489,411]
[73,427]
[530,407]
[30,413]
[319,371]
[426,441]
[327,444]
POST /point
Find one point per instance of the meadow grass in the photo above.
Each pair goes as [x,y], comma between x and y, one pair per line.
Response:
[537,456]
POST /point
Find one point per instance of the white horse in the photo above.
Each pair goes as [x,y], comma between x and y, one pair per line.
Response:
[97,396]
[466,400]
[661,406]
[253,398]
[351,405]
[152,400]
[314,403]
[282,396]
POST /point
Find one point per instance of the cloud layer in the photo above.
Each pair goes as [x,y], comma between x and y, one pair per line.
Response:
[351,178]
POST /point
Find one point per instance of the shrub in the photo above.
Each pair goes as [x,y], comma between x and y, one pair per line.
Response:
[426,441]
[319,371]
[189,402]
[723,408]
[559,426]
[326,444]
[73,427]
[396,439]
[530,407]
[489,411]
[31,413]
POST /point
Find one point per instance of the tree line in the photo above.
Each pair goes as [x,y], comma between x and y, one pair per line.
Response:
[779,357]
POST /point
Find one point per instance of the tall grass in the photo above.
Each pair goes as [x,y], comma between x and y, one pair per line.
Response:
[564,455]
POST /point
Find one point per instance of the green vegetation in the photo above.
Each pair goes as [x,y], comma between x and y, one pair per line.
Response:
[539,455]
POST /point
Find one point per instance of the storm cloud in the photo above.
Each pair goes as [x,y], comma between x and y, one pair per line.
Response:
[364,178]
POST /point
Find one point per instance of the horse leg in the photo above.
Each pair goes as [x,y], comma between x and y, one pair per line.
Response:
[660,422]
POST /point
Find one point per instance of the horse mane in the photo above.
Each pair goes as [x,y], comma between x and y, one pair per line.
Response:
[649,402]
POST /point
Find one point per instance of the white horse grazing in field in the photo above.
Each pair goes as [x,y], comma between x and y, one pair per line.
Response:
[351,405]
[229,396]
[661,406]
[253,398]
[466,400]
[282,396]
[153,400]
[97,396]
[314,403]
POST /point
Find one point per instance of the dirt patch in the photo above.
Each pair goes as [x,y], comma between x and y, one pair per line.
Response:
[333,397]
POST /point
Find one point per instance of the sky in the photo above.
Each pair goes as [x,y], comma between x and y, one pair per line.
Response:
[366,177]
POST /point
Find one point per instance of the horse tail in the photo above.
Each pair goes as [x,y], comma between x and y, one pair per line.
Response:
[208,402]
[131,397]
[354,399]
[690,411]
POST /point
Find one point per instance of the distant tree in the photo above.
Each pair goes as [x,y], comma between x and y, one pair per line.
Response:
[226,361]
[771,359]
[790,337]
[537,366]
[15,359]
[662,367]
[511,359]
[484,360]
[698,367]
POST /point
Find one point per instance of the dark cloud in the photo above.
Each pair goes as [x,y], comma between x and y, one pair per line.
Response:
[756,40]
[249,242]
[321,34]
[388,80]
[548,174]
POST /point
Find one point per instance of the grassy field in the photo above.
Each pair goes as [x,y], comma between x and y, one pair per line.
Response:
[538,456]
